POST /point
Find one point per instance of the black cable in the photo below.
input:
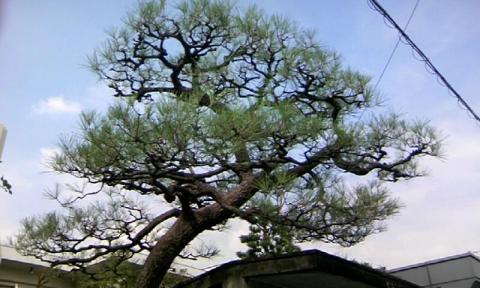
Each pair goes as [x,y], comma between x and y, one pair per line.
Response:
[377,7]
[395,47]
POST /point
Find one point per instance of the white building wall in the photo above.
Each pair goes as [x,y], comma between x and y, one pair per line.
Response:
[418,276]
[23,278]
[475,267]
[449,271]
[456,272]
[18,271]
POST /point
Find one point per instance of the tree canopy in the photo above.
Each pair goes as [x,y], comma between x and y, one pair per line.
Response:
[222,113]
[267,239]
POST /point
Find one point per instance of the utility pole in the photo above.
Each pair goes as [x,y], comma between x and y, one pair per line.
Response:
[3,182]
[3,137]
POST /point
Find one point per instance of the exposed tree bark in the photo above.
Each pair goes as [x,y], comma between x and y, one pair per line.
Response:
[185,229]
[165,251]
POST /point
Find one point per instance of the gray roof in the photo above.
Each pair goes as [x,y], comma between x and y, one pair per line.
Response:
[303,269]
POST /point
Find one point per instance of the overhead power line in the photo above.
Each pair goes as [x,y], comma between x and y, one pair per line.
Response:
[428,64]
[395,47]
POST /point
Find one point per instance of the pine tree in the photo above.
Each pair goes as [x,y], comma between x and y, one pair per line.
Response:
[223,113]
[267,239]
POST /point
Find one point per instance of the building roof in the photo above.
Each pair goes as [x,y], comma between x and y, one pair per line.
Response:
[8,255]
[436,261]
[303,269]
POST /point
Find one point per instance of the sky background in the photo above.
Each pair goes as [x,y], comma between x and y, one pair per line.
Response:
[44,84]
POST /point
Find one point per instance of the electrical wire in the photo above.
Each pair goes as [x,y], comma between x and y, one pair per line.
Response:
[395,47]
[428,64]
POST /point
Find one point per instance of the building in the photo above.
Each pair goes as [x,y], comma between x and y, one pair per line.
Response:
[459,271]
[17,271]
[306,269]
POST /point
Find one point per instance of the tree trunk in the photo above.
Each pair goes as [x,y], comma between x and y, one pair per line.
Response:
[185,229]
[164,252]
[169,246]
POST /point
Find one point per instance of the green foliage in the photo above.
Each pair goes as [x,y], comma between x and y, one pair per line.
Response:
[111,274]
[224,113]
[108,274]
[267,239]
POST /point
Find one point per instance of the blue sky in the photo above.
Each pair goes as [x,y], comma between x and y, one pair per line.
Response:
[44,84]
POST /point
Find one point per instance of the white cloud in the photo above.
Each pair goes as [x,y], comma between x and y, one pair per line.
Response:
[57,105]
